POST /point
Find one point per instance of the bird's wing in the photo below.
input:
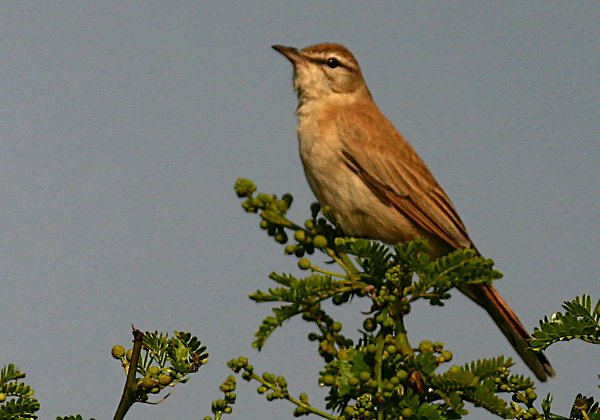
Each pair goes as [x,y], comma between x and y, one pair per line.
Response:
[393,171]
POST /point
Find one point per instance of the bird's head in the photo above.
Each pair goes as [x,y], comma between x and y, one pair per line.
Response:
[325,72]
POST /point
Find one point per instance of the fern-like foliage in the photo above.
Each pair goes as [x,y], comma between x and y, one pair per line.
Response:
[380,375]
[16,398]
[581,320]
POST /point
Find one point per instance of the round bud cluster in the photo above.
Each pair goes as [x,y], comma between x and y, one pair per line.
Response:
[227,388]
[119,353]
[273,212]
[332,344]
[244,187]
[157,378]
[398,277]
[301,410]
[316,234]
[385,296]
[530,413]
[274,386]
[241,363]
[442,356]
[363,409]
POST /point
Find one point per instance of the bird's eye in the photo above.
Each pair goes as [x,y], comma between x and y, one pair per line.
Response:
[333,62]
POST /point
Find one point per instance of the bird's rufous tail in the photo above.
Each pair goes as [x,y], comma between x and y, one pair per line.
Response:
[488,298]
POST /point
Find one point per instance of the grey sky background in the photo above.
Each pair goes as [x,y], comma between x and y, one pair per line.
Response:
[124,125]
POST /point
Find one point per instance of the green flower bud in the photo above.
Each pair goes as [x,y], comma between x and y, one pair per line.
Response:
[402,374]
[287,198]
[426,346]
[407,412]
[153,370]
[148,382]
[117,351]
[369,325]
[455,369]
[364,376]
[281,237]
[328,380]
[300,235]
[304,263]
[164,379]
[353,381]
[320,241]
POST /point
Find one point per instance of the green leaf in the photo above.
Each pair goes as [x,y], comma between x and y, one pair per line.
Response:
[580,321]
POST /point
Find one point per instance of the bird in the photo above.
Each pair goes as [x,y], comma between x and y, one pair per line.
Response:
[374,183]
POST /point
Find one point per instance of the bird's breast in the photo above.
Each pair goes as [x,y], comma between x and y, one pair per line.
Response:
[357,210]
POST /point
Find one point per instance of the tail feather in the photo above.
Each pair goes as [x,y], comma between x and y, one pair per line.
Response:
[488,298]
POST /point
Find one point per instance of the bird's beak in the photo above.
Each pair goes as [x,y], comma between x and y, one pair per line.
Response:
[290,53]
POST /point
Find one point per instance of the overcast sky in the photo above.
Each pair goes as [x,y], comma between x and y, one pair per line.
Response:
[123,126]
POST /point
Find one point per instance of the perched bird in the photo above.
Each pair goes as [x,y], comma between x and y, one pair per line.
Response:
[376,185]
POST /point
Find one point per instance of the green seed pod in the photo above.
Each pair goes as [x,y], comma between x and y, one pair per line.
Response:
[117,351]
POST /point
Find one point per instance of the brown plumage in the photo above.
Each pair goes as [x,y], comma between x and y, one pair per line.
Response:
[377,186]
